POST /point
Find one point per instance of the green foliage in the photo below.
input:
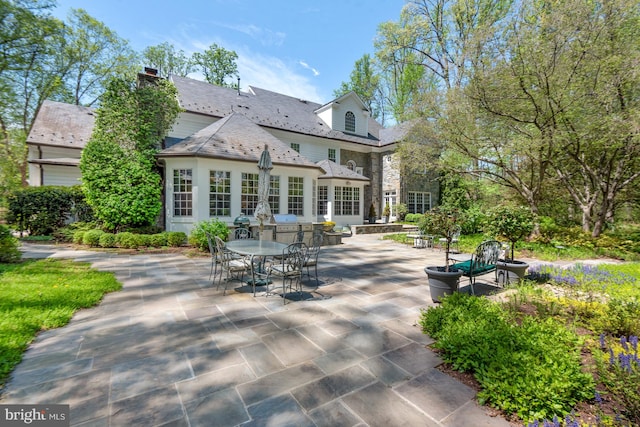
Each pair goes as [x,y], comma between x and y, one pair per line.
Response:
[107,240]
[78,237]
[158,240]
[413,217]
[43,294]
[9,251]
[176,238]
[214,226]
[92,237]
[127,240]
[387,210]
[618,369]
[42,210]
[442,222]
[511,223]
[120,179]
[401,211]
[217,64]
[532,369]
[372,211]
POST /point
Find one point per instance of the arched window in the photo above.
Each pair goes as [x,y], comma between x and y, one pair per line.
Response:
[350,122]
[351,165]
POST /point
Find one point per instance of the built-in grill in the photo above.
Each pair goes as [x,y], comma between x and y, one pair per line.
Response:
[287,226]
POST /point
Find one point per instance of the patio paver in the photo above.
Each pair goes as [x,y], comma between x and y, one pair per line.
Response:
[170,349]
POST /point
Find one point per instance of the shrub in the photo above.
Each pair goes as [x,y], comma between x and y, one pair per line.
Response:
[42,210]
[401,211]
[533,370]
[176,238]
[126,240]
[9,251]
[214,226]
[158,240]
[413,217]
[78,237]
[107,240]
[92,237]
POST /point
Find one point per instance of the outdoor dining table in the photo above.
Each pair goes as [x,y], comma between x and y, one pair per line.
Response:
[256,249]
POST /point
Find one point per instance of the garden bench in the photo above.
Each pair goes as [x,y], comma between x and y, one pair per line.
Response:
[483,261]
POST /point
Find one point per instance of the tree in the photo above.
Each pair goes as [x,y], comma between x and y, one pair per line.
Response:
[556,100]
[93,54]
[217,64]
[167,60]
[365,82]
[119,175]
[43,58]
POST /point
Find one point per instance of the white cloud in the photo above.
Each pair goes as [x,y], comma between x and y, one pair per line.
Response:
[270,73]
[308,67]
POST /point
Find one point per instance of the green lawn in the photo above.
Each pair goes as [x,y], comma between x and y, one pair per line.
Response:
[36,295]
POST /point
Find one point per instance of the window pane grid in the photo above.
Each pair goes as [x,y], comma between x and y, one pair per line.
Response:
[296,196]
[350,122]
[219,193]
[274,194]
[418,202]
[182,196]
[323,200]
[347,201]
[249,193]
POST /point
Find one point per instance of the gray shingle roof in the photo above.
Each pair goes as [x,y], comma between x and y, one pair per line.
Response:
[235,137]
[264,108]
[334,170]
[60,124]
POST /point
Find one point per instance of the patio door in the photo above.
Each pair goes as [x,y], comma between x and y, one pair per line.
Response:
[391,199]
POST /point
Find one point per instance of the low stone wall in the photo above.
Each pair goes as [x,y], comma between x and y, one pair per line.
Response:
[376,228]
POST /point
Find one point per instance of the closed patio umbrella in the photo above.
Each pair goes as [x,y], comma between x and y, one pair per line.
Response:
[263,210]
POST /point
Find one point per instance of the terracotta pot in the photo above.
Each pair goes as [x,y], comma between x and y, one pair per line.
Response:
[442,282]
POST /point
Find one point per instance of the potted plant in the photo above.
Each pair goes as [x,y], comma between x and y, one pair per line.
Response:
[372,214]
[511,223]
[386,213]
[442,279]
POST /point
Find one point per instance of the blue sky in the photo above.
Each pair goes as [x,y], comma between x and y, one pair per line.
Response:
[301,48]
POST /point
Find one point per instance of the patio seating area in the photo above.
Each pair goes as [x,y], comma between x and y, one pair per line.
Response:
[171,349]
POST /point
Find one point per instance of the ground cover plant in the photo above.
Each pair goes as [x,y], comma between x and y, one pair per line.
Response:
[561,350]
[37,295]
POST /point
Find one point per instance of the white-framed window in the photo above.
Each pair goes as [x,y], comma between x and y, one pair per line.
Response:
[347,201]
[350,122]
[219,193]
[418,202]
[249,193]
[351,165]
[323,200]
[182,192]
[331,154]
[314,198]
[296,196]
[274,194]
[295,147]
[360,170]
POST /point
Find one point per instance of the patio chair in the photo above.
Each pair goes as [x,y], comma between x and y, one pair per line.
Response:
[215,257]
[242,233]
[482,261]
[228,264]
[289,268]
[311,260]
[454,242]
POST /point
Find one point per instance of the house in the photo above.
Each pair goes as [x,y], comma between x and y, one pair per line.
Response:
[330,162]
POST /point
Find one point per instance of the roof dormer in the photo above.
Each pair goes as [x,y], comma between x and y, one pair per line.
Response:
[346,114]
